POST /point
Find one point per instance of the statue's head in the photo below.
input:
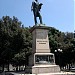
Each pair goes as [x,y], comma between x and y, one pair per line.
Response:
[36,0]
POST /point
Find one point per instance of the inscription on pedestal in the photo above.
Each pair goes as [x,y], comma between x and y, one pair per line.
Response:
[42,42]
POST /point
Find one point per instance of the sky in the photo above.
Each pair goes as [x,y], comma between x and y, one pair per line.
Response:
[55,13]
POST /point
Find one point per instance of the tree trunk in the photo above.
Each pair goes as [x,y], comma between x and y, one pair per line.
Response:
[3,67]
[8,67]
[69,67]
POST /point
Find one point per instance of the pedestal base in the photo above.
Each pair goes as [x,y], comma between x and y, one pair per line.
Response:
[44,69]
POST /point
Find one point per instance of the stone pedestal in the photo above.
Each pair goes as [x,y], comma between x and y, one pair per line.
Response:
[41,60]
[45,69]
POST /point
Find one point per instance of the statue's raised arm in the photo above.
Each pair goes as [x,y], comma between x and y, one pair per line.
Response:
[36,7]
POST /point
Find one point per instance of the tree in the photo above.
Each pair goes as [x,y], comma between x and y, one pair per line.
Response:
[10,38]
[64,41]
[22,56]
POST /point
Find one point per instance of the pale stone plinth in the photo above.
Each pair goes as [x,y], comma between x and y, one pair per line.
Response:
[40,40]
[45,69]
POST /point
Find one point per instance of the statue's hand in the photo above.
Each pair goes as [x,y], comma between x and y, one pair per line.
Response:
[41,4]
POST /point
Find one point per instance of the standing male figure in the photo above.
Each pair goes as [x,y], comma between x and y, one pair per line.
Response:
[36,11]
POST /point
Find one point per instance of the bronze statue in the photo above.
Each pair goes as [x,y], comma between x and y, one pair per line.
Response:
[36,11]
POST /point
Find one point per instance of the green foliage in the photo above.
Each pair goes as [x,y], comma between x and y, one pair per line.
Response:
[15,41]
[19,59]
[60,40]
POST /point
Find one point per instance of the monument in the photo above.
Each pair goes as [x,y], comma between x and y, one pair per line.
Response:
[41,60]
[36,7]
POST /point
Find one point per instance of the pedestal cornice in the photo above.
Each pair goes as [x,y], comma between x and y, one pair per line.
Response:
[39,27]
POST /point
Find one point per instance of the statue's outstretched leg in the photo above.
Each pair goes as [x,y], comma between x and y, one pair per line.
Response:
[40,18]
[35,18]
